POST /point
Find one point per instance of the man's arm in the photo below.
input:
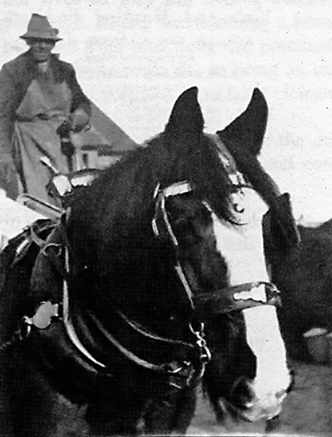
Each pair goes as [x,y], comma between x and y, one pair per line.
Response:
[79,99]
[8,102]
[9,96]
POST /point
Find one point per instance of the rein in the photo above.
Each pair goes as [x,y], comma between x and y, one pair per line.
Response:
[180,374]
[170,368]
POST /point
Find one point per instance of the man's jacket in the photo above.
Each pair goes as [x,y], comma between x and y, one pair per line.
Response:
[15,78]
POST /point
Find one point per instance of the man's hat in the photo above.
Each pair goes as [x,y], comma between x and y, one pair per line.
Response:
[40,28]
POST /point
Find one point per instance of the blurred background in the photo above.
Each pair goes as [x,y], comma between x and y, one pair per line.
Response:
[133,59]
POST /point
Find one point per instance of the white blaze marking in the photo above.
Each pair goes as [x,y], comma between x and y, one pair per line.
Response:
[242,245]
[264,339]
[243,250]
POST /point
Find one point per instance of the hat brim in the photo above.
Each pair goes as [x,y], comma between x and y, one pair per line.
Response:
[31,35]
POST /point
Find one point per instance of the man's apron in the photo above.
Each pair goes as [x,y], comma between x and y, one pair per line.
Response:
[46,105]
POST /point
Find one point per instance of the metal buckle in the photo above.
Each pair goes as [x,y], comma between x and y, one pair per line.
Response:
[205,353]
[181,375]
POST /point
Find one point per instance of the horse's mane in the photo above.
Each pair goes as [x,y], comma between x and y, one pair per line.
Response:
[120,201]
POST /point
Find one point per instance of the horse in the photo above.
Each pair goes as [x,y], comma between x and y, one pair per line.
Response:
[304,279]
[154,277]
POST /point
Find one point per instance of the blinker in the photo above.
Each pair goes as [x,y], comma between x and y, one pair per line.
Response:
[159,196]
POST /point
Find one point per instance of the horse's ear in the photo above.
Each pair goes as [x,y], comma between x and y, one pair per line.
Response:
[186,117]
[247,131]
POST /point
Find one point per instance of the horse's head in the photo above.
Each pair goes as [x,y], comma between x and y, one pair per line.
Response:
[215,222]
[172,235]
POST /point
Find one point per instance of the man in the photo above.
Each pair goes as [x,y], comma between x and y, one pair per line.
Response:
[38,94]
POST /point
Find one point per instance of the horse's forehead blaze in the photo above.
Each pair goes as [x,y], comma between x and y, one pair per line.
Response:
[264,338]
[242,246]
[250,204]
[272,377]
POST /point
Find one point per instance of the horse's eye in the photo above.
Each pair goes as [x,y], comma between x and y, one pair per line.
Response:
[238,208]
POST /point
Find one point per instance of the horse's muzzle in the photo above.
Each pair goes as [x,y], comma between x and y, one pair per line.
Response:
[251,407]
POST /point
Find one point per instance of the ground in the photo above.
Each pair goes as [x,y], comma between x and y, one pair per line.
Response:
[307,410]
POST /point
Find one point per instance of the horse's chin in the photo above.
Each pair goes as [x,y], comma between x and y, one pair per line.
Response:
[258,414]
[254,413]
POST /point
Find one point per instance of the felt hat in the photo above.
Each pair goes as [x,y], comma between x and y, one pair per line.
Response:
[40,28]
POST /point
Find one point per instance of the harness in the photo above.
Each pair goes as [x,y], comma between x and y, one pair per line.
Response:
[178,374]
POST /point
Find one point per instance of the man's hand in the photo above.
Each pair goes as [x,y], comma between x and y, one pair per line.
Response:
[8,176]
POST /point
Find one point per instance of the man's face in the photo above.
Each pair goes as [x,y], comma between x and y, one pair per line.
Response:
[41,48]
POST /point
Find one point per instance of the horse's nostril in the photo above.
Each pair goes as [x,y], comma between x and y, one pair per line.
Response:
[281,394]
[292,382]
[241,393]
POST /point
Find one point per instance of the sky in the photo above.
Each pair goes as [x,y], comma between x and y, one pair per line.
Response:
[133,58]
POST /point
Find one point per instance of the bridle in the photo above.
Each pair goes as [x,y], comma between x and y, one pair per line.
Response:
[234,298]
